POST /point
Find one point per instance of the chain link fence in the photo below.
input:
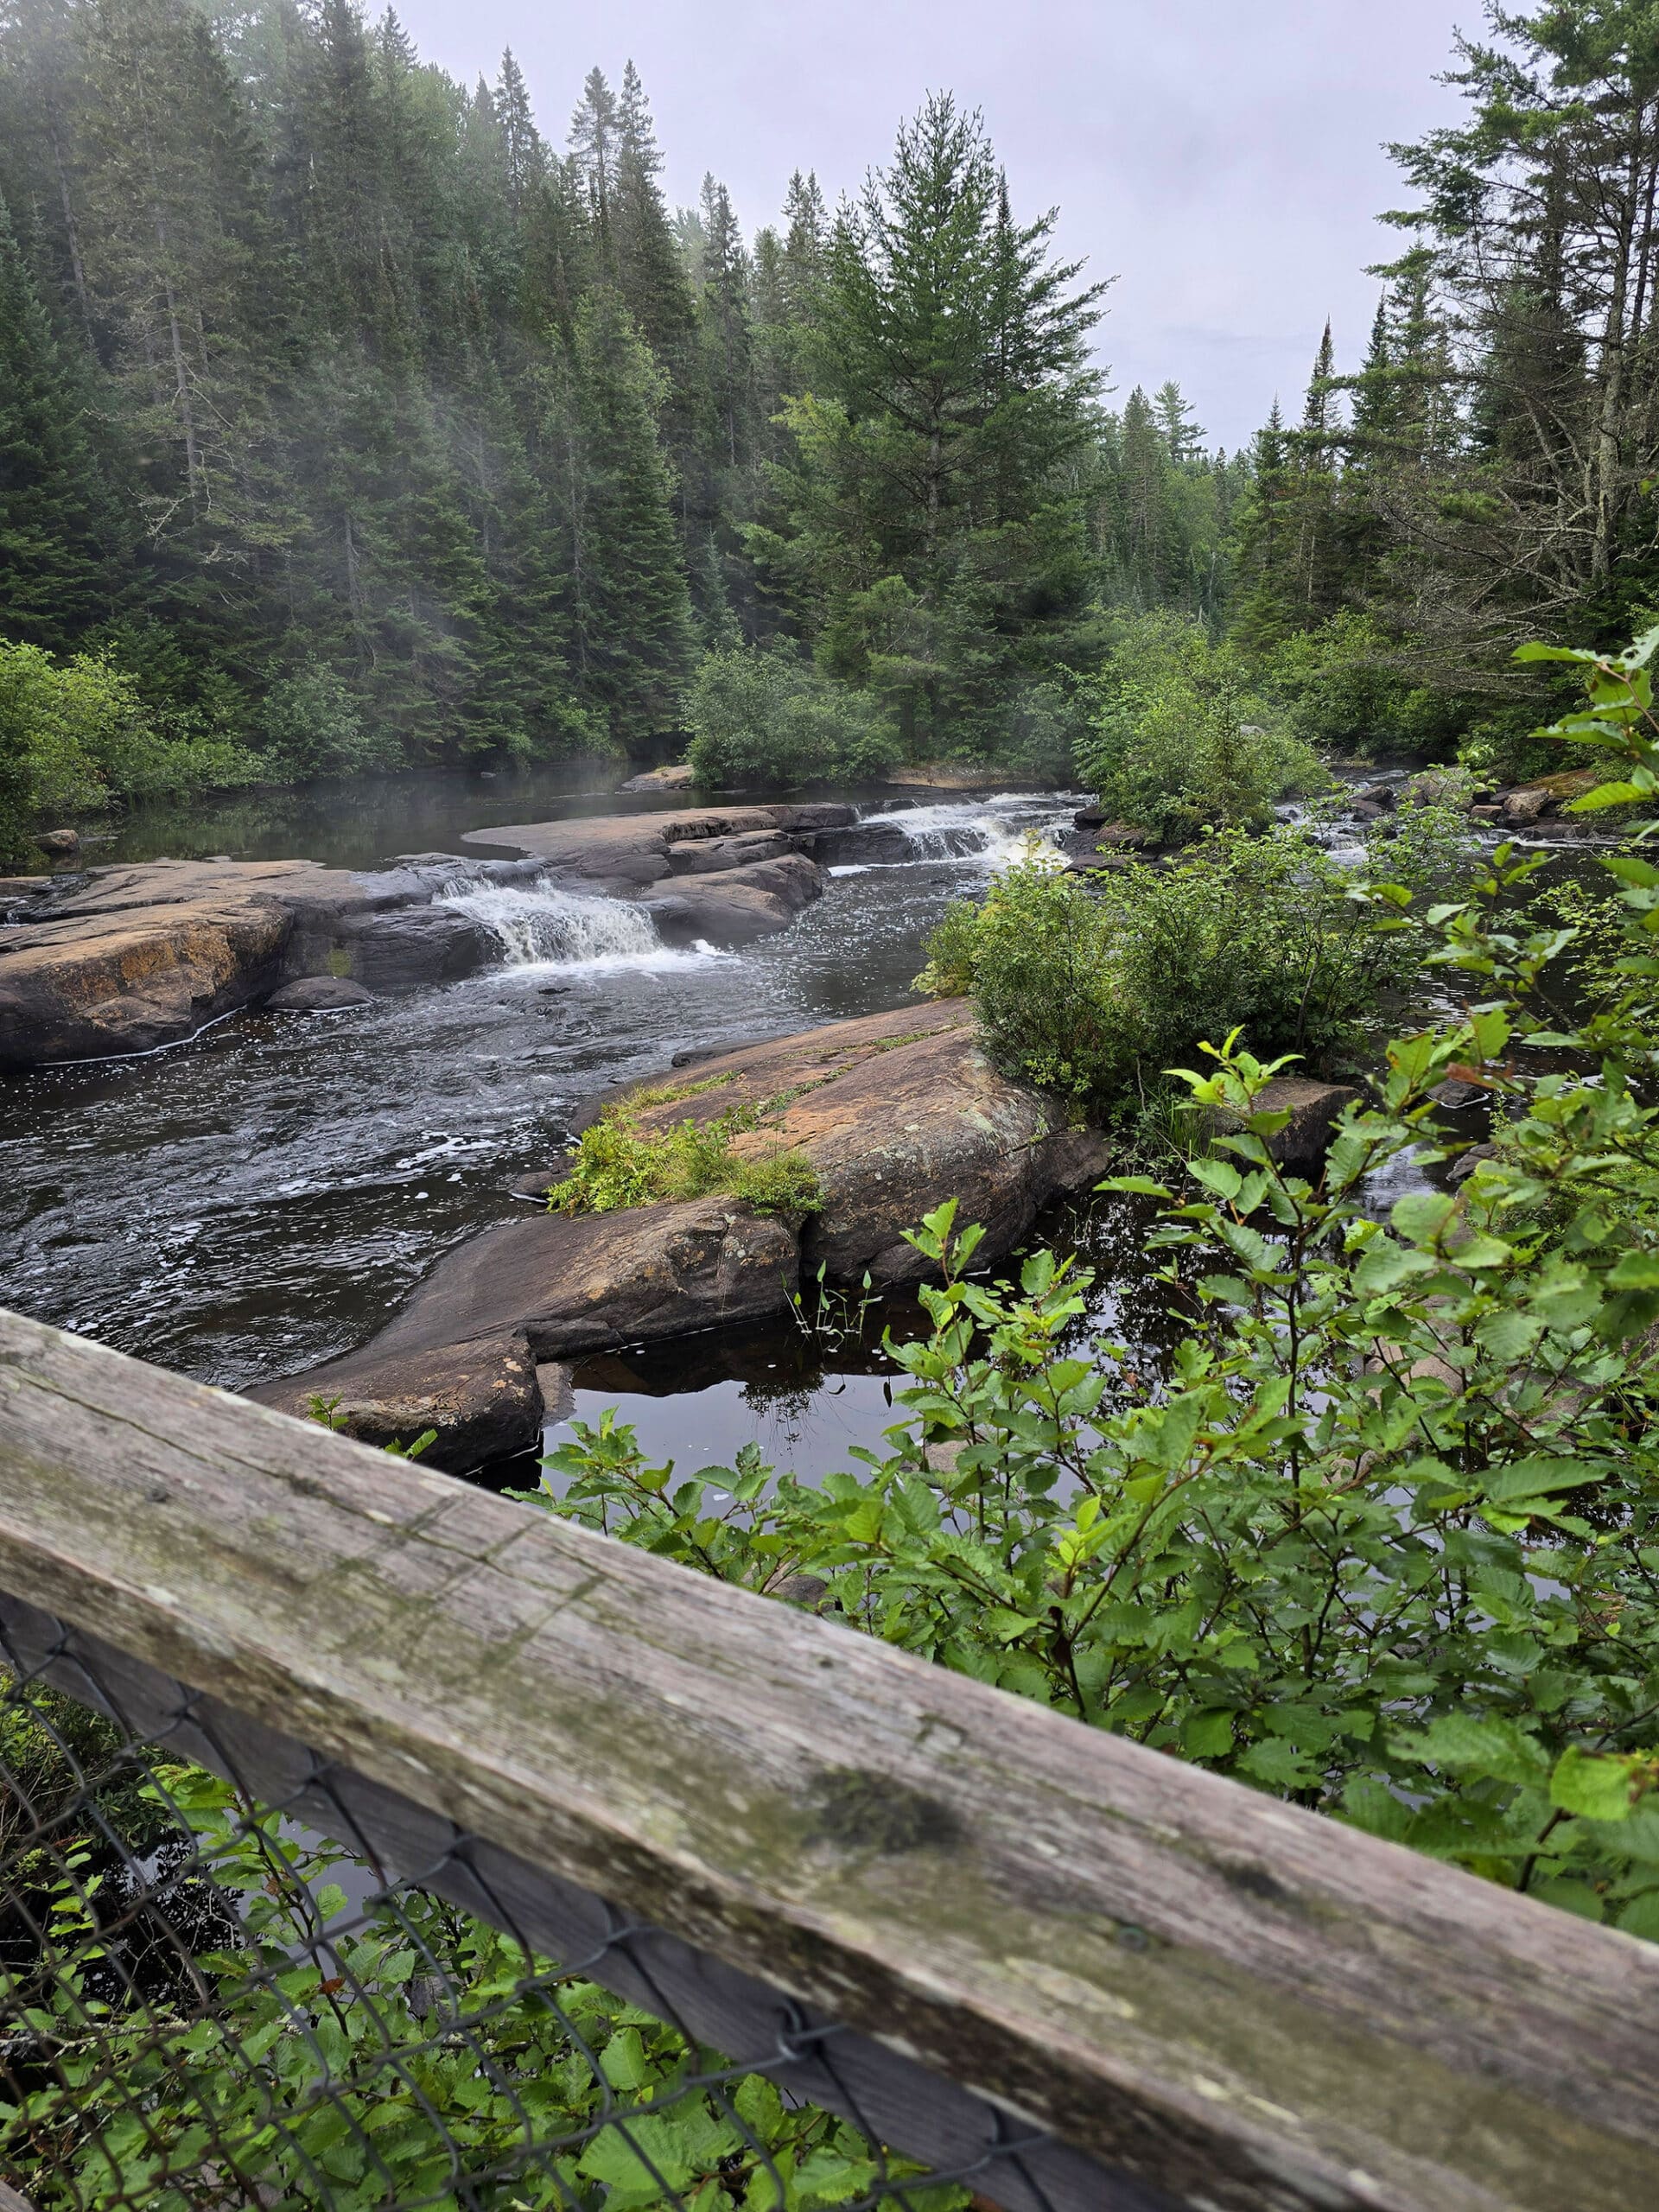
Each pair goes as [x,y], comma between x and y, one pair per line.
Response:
[215,1993]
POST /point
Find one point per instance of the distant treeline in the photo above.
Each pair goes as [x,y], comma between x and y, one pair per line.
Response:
[337,405]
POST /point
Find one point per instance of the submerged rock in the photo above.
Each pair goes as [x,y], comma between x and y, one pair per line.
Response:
[318,995]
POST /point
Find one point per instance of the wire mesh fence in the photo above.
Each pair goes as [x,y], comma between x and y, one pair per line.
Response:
[216,1995]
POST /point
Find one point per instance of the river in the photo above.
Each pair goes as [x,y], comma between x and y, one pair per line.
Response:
[263,1197]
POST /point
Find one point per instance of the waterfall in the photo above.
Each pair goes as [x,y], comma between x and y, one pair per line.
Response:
[538,925]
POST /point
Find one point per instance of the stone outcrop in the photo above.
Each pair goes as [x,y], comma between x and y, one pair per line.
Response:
[485,1399]
[896,1112]
[574,1283]
[678,776]
[125,959]
[952,776]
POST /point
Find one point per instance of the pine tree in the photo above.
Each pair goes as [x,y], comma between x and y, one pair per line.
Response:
[65,531]
[629,615]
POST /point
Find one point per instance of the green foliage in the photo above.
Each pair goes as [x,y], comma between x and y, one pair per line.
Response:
[1094,988]
[1340,691]
[1384,1538]
[762,717]
[1177,743]
[616,1163]
[924,534]
[310,725]
[318,2042]
[75,733]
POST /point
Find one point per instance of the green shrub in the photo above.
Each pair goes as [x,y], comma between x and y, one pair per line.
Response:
[1382,1539]
[1339,689]
[1177,743]
[759,716]
[1094,987]
[75,733]
[310,725]
[616,1164]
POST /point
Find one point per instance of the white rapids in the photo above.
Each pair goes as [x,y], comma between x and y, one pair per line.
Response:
[542,925]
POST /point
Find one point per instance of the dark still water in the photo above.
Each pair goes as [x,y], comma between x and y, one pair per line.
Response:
[262,1198]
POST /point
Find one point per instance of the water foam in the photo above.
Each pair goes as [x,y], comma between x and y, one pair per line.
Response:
[542,925]
[990,831]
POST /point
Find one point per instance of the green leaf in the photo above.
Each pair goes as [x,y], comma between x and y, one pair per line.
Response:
[1207,1735]
[1636,1271]
[1604,795]
[1421,1215]
[1596,1785]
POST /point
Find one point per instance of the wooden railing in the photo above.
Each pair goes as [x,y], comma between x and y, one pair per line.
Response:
[1196,1994]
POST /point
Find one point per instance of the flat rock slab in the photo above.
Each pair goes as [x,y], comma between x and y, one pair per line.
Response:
[484,1399]
[623,854]
[126,959]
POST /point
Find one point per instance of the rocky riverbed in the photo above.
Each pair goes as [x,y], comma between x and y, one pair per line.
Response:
[125,959]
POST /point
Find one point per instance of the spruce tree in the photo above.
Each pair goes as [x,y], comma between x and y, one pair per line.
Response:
[65,528]
[925,536]
[629,614]
[649,273]
[593,148]
[525,151]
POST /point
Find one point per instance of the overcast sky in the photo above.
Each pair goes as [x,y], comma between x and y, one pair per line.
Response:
[1221,158]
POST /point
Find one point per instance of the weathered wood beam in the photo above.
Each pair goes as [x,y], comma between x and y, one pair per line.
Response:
[1240,2004]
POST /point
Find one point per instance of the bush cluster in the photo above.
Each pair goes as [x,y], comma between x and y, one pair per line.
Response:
[1177,742]
[76,733]
[759,716]
[1095,986]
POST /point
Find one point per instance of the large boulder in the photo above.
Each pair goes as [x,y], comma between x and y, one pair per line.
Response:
[484,1399]
[574,1283]
[862,844]
[413,945]
[678,776]
[896,1112]
[1314,1109]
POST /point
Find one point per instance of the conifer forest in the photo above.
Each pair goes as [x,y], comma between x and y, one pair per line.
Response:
[352,414]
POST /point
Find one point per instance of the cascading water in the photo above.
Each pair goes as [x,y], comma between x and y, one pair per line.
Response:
[987,831]
[539,923]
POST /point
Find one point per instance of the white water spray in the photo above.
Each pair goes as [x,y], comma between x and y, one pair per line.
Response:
[540,925]
[989,831]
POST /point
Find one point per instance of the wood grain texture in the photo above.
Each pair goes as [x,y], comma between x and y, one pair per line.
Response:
[1242,2004]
